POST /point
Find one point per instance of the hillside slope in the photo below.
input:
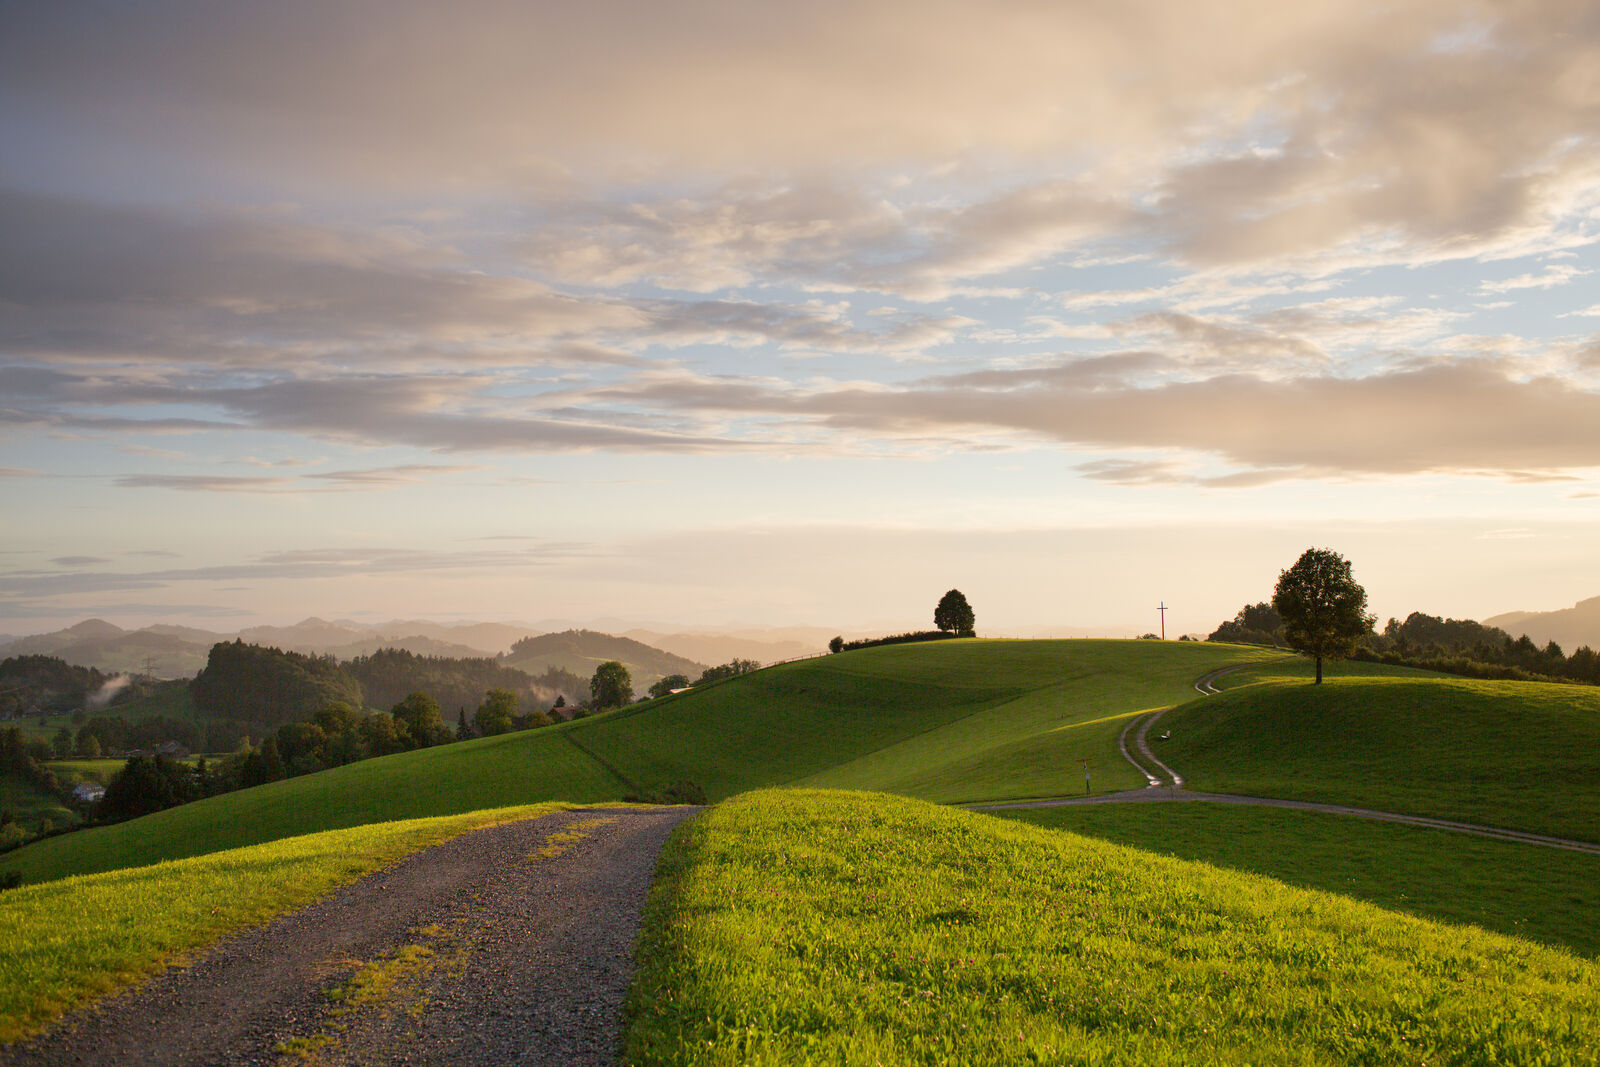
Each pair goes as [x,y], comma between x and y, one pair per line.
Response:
[952,720]
[955,720]
[1524,755]
[581,651]
[810,927]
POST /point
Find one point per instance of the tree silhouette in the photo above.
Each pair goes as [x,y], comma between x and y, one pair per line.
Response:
[1324,610]
[954,614]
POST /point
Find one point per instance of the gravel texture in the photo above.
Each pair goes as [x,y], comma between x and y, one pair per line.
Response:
[510,945]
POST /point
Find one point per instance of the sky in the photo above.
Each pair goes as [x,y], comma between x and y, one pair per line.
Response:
[716,313]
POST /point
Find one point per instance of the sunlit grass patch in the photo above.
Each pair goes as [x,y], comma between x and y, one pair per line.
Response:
[1524,755]
[849,928]
[1547,895]
[74,940]
[562,840]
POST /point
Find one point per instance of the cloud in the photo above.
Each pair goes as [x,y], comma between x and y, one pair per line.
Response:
[77,561]
[370,478]
[1134,472]
[201,483]
[21,587]
[89,280]
[1554,276]
[403,474]
[446,412]
[121,609]
[1291,131]
[1466,416]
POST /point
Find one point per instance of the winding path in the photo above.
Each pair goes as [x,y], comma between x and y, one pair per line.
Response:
[1165,785]
[508,945]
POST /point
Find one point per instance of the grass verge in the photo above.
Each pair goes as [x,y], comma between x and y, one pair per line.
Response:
[794,926]
[1537,893]
[73,941]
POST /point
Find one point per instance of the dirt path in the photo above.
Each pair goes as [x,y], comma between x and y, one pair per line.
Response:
[1135,739]
[511,945]
[1168,794]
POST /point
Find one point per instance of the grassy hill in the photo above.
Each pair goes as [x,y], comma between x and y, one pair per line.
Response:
[955,720]
[951,720]
[794,926]
[827,926]
[1524,755]
[1541,894]
[581,651]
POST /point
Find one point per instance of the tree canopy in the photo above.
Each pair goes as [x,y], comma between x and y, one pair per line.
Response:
[668,684]
[494,714]
[1255,624]
[1323,608]
[954,614]
[611,686]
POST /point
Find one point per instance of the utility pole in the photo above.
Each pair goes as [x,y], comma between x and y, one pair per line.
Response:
[1163,610]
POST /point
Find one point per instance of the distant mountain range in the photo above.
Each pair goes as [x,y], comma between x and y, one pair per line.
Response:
[169,651]
[1571,628]
[180,651]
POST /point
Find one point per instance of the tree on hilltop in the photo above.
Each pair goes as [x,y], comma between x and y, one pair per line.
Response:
[954,614]
[1324,610]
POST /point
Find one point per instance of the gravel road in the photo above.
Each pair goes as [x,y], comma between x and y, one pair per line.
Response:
[511,945]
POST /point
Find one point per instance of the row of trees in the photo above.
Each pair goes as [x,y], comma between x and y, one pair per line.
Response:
[47,683]
[1318,608]
[612,686]
[952,617]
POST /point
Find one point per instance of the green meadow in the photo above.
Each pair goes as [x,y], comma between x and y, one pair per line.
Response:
[949,721]
[839,928]
[1523,755]
[32,808]
[1528,891]
[955,720]
[810,924]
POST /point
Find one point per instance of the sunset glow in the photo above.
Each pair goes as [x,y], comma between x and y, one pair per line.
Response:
[706,314]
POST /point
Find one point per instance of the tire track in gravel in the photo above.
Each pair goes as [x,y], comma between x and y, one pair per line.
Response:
[508,945]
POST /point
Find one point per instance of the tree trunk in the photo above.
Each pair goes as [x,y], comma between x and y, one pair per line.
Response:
[1319,670]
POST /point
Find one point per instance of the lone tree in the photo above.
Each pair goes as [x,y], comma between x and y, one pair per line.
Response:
[954,614]
[611,686]
[1324,610]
